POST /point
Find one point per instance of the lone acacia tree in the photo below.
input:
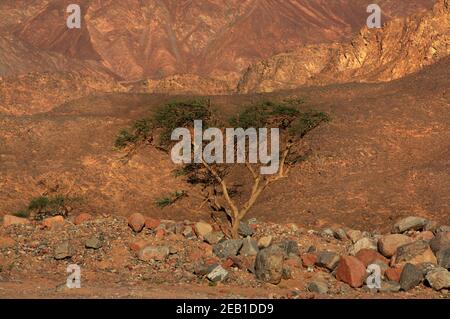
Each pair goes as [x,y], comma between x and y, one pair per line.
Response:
[215,178]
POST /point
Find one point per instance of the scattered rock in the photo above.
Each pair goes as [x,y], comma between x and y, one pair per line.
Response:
[94,243]
[249,247]
[286,273]
[431,226]
[327,259]
[363,243]
[354,235]
[318,287]
[158,253]
[269,265]
[63,251]
[217,274]
[390,286]
[214,237]
[202,229]
[309,259]
[9,220]
[290,248]
[389,244]
[245,230]
[136,221]
[82,218]
[368,256]
[443,257]
[265,242]
[188,232]
[340,234]
[424,235]
[443,229]
[411,277]
[414,253]
[53,222]
[394,273]
[138,245]
[327,232]
[227,248]
[440,241]
[152,223]
[410,223]
[351,271]
[439,278]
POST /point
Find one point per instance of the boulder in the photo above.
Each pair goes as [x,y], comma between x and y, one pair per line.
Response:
[202,229]
[393,273]
[269,265]
[53,222]
[136,221]
[443,257]
[249,247]
[265,242]
[414,253]
[157,253]
[363,243]
[214,237]
[410,223]
[438,278]
[245,229]
[327,259]
[368,256]
[388,245]
[63,250]
[354,235]
[9,220]
[152,223]
[411,277]
[227,248]
[317,286]
[82,218]
[351,271]
[440,241]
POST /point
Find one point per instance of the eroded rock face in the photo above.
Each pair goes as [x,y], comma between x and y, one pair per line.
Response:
[373,55]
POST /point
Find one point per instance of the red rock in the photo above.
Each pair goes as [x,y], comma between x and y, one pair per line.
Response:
[351,271]
[425,235]
[293,262]
[9,220]
[309,259]
[387,245]
[368,256]
[53,222]
[138,245]
[158,253]
[6,242]
[160,233]
[394,273]
[80,219]
[136,221]
[152,223]
[228,263]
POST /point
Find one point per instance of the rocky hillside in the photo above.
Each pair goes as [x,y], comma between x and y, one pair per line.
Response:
[401,47]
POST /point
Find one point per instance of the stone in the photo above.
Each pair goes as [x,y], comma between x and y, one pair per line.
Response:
[354,235]
[393,273]
[443,229]
[82,218]
[424,235]
[63,250]
[410,223]
[249,247]
[327,232]
[9,220]
[7,242]
[368,256]
[53,222]
[138,245]
[245,230]
[309,259]
[158,253]
[269,265]
[431,226]
[425,268]
[340,234]
[94,243]
[318,287]
[227,248]
[363,243]
[214,237]
[443,257]
[265,242]
[438,278]
[327,259]
[290,248]
[202,229]
[440,241]
[388,245]
[217,274]
[351,271]
[390,286]
[152,223]
[414,253]
[286,273]
[137,222]
[188,232]
[160,233]
[411,277]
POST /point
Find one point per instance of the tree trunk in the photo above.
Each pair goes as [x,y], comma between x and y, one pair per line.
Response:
[235,228]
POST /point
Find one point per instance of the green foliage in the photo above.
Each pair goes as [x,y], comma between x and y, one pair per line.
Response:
[308,121]
[51,206]
[22,213]
[170,199]
[167,118]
